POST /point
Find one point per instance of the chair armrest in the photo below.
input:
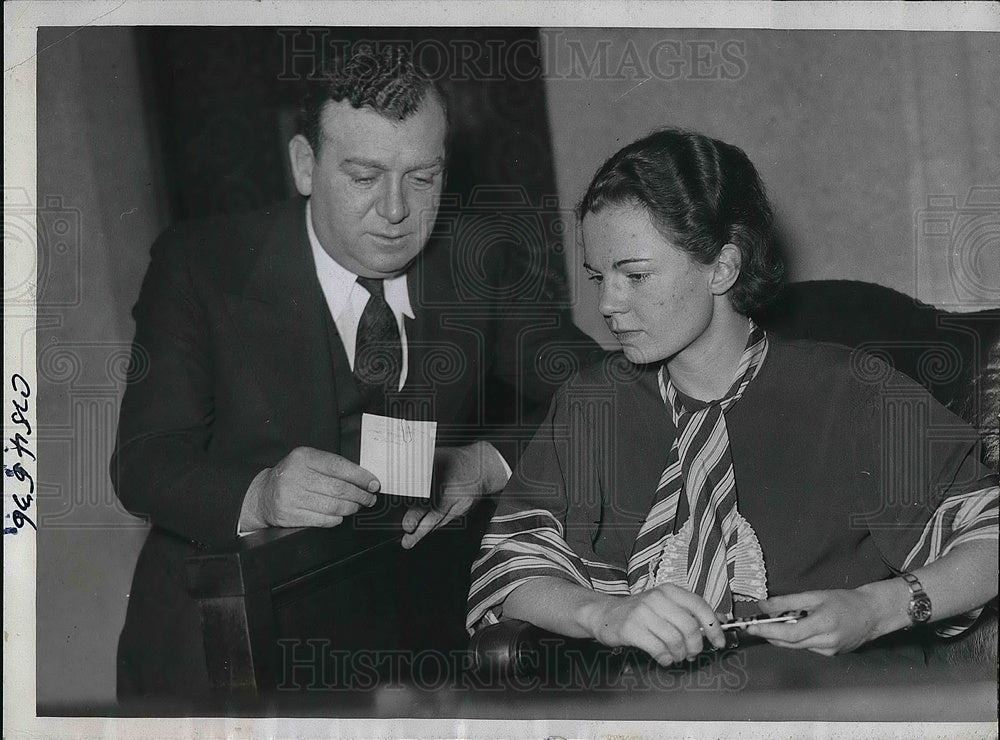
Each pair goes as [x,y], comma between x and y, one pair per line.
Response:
[261,588]
[518,649]
[974,651]
[276,558]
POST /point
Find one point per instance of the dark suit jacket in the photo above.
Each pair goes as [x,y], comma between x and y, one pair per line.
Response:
[235,364]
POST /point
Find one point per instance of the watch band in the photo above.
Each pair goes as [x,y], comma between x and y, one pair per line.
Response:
[919,608]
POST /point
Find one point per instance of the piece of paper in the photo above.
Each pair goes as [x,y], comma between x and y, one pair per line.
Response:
[400,453]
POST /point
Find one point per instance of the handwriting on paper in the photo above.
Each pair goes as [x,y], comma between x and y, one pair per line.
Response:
[19,444]
[400,453]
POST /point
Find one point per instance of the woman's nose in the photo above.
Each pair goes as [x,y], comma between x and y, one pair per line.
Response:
[611,299]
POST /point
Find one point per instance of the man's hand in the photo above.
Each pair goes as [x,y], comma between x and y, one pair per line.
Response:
[839,620]
[463,475]
[308,488]
[667,622]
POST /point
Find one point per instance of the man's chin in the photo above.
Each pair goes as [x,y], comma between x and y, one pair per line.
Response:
[392,265]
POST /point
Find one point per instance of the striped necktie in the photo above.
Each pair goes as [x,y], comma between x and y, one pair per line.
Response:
[378,351]
[699,465]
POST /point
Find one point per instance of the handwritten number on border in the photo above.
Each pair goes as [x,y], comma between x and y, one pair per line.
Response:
[19,443]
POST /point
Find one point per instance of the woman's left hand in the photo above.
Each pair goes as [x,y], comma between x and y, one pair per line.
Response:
[838,621]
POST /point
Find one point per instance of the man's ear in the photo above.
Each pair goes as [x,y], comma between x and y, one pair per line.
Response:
[727,269]
[300,154]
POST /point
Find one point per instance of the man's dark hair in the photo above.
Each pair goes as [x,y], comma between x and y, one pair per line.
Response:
[385,79]
[701,194]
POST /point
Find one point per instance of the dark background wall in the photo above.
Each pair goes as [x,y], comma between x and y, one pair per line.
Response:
[141,126]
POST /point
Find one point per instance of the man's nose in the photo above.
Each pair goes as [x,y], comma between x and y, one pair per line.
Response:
[392,205]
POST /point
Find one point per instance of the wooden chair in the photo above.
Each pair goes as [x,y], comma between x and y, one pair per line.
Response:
[280,607]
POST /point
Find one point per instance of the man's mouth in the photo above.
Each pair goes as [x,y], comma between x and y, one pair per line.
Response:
[390,238]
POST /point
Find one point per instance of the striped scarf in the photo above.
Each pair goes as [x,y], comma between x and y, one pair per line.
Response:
[699,465]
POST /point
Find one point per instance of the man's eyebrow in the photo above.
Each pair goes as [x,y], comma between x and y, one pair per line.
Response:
[436,162]
[361,162]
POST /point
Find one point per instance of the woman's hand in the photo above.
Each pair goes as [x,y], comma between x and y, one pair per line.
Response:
[667,622]
[838,621]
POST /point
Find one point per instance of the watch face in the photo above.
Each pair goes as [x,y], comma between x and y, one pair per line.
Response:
[920,609]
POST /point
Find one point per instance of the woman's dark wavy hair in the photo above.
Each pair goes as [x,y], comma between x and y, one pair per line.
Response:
[701,194]
[385,79]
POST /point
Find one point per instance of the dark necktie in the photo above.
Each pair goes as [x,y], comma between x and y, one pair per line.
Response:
[378,354]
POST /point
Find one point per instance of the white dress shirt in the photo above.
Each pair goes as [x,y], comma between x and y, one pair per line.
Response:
[346,299]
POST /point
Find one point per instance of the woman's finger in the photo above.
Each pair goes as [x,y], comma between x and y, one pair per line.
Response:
[807,600]
[704,621]
[650,642]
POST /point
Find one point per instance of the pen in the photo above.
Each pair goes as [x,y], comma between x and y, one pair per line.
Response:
[785,617]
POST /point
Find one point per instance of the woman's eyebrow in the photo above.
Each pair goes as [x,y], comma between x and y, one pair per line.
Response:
[630,261]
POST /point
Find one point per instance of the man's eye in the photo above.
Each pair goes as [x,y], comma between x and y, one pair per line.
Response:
[423,180]
[362,177]
[638,277]
[595,278]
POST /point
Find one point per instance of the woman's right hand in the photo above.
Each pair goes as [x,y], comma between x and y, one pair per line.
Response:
[667,622]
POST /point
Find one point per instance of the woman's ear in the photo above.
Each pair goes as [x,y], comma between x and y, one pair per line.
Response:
[727,269]
[300,154]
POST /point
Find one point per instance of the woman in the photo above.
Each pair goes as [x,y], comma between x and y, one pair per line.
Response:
[722,471]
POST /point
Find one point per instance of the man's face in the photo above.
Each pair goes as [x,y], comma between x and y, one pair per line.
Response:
[374,185]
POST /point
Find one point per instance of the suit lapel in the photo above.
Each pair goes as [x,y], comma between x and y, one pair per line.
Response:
[282,320]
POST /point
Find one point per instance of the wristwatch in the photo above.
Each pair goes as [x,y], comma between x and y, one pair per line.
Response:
[919,608]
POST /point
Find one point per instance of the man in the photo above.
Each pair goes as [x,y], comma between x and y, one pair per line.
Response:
[260,341]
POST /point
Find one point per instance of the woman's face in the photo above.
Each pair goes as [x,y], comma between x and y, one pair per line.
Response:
[654,297]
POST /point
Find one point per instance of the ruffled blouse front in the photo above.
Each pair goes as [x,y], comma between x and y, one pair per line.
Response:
[749,579]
